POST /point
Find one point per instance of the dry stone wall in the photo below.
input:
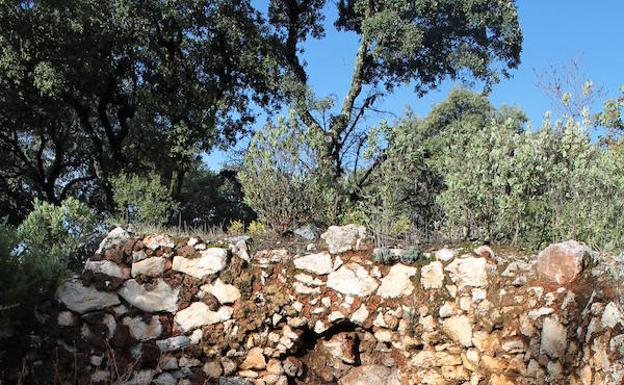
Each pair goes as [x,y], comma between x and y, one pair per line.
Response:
[151,310]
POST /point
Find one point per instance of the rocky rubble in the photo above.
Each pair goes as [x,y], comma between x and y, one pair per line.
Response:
[163,311]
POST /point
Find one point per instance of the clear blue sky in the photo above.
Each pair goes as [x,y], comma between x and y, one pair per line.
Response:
[555,31]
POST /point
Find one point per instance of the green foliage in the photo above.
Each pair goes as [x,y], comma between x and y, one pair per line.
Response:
[213,199]
[388,256]
[236,228]
[281,177]
[256,228]
[35,257]
[612,115]
[142,199]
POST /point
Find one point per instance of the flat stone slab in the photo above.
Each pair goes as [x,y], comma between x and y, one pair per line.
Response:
[198,314]
[320,263]
[211,261]
[161,297]
[562,262]
[82,299]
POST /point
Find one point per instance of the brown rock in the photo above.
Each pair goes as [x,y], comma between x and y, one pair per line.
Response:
[562,262]
[371,375]
[255,360]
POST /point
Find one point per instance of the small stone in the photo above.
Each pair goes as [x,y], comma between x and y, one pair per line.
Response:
[161,297]
[142,330]
[352,279]
[211,261]
[485,251]
[562,262]
[459,329]
[149,267]
[81,299]
[554,338]
[397,283]
[198,314]
[445,254]
[224,293]
[320,263]
[371,375]
[254,360]
[611,316]
[432,276]
[340,239]
[213,369]
[308,232]
[65,318]
[360,315]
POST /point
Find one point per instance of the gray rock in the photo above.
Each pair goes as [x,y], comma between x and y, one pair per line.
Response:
[161,297]
[344,238]
[308,232]
[211,261]
[81,299]
[149,267]
[115,237]
[234,381]
[107,268]
[142,330]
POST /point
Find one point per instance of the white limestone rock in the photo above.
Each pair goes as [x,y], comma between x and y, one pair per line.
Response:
[360,315]
[211,261]
[352,279]
[149,267]
[66,318]
[82,299]
[115,237]
[459,329]
[611,316]
[144,331]
[198,314]
[320,263]
[161,297]
[107,268]
[340,239]
[469,271]
[397,283]
[445,254]
[224,293]
[554,338]
[432,275]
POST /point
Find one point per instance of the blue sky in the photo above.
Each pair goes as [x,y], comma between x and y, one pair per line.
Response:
[555,32]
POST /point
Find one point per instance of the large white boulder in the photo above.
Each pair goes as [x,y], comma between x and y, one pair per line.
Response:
[340,239]
[198,314]
[211,261]
[352,279]
[161,297]
[81,299]
[469,271]
[397,283]
[320,263]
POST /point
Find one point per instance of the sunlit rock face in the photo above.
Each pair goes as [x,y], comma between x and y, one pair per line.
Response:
[177,311]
